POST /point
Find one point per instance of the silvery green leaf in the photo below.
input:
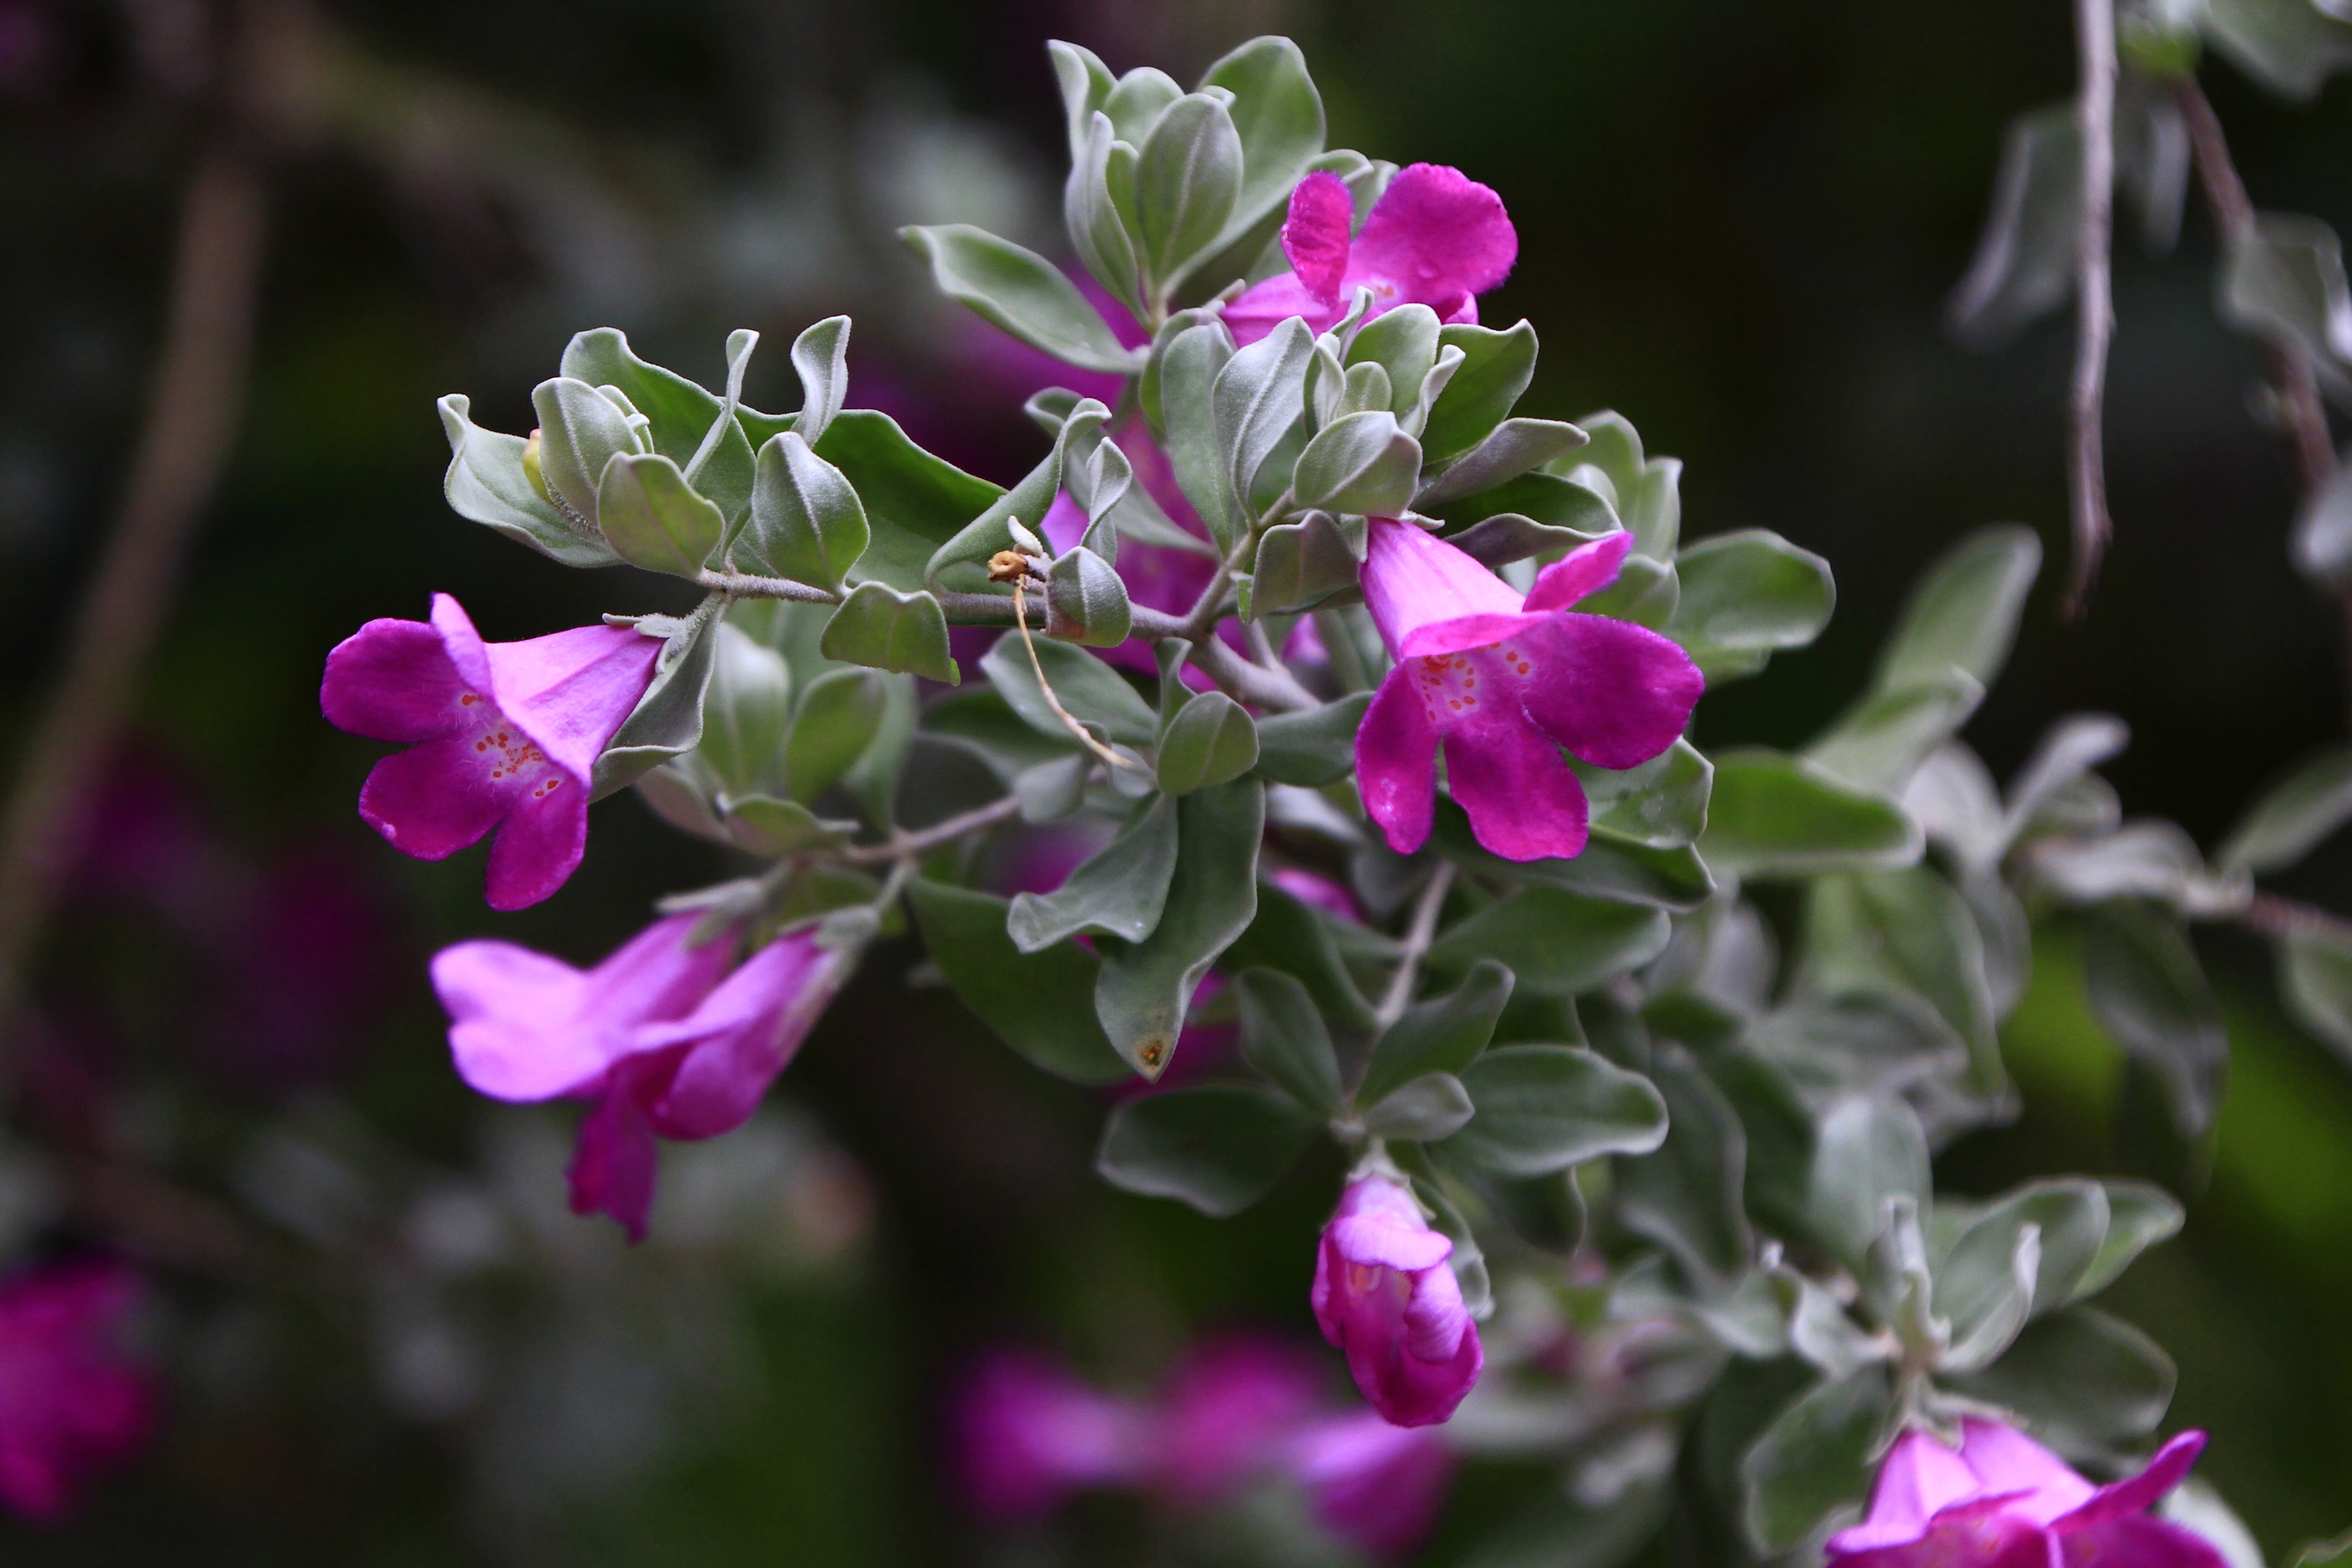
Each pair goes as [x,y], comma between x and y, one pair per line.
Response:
[1772,815]
[1815,1459]
[1210,741]
[1612,869]
[873,779]
[1989,1307]
[2069,748]
[680,415]
[1821,1331]
[1415,415]
[1954,802]
[1745,593]
[1542,1109]
[1866,1149]
[745,714]
[2072,1218]
[1021,293]
[1089,689]
[1190,368]
[1086,603]
[1442,1033]
[1146,987]
[1278,116]
[2153,859]
[668,718]
[1119,891]
[488,483]
[806,523]
[1085,82]
[1963,611]
[580,432]
[1495,369]
[1906,932]
[2290,47]
[1646,593]
[763,824]
[883,628]
[1041,1005]
[1049,791]
[1025,503]
[2150,995]
[2293,815]
[1220,1149]
[1359,463]
[1313,748]
[1255,404]
[836,719]
[1138,99]
[2024,264]
[1099,222]
[2316,979]
[1300,564]
[683,794]
[1688,1195]
[1403,343]
[1557,942]
[653,518]
[1497,541]
[1870,1043]
[1510,449]
[1283,1037]
[821,355]
[2140,1215]
[2080,1380]
[2285,281]
[1433,1106]
[1880,741]
[914,502]
[1661,804]
[1645,491]
[1186,180]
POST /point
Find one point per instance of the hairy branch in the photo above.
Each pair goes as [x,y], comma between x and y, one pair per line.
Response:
[2095,318]
[1424,931]
[199,392]
[922,840]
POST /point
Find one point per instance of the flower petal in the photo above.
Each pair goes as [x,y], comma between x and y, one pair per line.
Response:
[469,654]
[572,691]
[1396,762]
[1315,235]
[1524,802]
[612,1168]
[392,680]
[1613,693]
[1919,1478]
[515,1033]
[658,975]
[2139,1542]
[1436,232]
[1262,307]
[432,801]
[2008,1461]
[1374,1484]
[1384,1241]
[1412,580]
[1583,571]
[1410,1391]
[2138,1494]
[540,843]
[1433,639]
[740,1038]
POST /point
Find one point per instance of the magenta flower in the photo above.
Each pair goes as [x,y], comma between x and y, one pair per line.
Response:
[1376,1485]
[652,1034]
[1384,1294]
[1505,683]
[1024,1434]
[73,1402]
[1230,1413]
[504,735]
[1436,238]
[1314,887]
[2003,1499]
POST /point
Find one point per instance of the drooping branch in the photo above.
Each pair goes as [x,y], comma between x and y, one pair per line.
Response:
[198,399]
[1417,938]
[2094,318]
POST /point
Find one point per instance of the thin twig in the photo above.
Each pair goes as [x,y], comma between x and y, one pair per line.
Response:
[198,398]
[1045,687]
[1399,995]
[908,845]
[2268,914]
[2094,320]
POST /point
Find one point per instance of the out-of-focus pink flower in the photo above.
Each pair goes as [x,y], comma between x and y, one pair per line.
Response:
[2003,1501]
[1231,1410]
[652,1034]
[1314,888]
[299,975]
[504,735]
[73,1401]
[1385,1294]
[1436,238]
[1025,1434]
[1374,1484]
[1505,683]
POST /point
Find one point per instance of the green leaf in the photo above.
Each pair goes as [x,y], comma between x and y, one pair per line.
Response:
[1189,369]
[1314,747]
[1085,82]
[763,824]
[1646,491]
[1772,815]
[2140,1215]
[1209,741]
[1220,1149]
[821,358]
[1097,209]
[2081,1380]
[1145,988]
[1547,1212]
[1278,115]
[914,502]
[882,628]
[1186,182]
[1557,942]
[1432,1106]
[1026,503]
[1021,293]
[873,779]
[1403,343]
[1444,1034]
[2069,748]
[1871,1043]
[838,718]
[1688,1195]
[1662,804]
[1963,612]
[1906,932]
[2150,995]
[668,718]
[1674,880]
[1255,404]
[1746,594]
[581,430]
[1571,512]
[1298,939]
[1866,1151]
[1092,691]
[1542,1109]
[806,523]
[680,415]
[653,519]
[745,713]
[1041,1005]
[1496,368]
[1881,741]
[1283,1037]
[1117,891]
[1359,463]
[1513,447]
[2290,47]
[2024,263]
[1086,603]
[1300,564]
[2293,815]
[2285,282]
[2073,1217]
[1815,1457]
[487,484]
[2315,978]
[1138,99]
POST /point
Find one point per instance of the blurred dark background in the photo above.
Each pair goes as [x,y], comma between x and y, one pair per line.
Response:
[1737,224]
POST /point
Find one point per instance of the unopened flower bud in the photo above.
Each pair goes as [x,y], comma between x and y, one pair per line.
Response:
[532,470]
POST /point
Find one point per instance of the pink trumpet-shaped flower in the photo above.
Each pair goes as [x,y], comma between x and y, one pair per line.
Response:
[72,1401]
[1505,683]
[504,735]
[2003,1501]
[1385,1294]
[1435,237]
[1378,1486]
[1025,1434]
[1230,1413]
[653,1035]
